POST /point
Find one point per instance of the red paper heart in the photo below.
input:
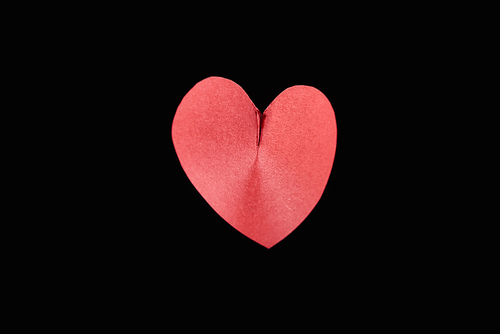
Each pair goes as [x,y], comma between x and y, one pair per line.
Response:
[262,173]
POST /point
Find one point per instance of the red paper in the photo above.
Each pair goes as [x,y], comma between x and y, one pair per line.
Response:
[262,173]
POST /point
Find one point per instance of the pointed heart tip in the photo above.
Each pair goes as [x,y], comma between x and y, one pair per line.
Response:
[268,244]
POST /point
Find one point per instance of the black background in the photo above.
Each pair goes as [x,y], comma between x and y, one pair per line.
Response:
[138,214]
[118,226]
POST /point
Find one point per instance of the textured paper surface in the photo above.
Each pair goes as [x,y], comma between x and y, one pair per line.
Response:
[262,173]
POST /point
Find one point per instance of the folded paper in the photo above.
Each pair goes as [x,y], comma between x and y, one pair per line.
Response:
[263,173]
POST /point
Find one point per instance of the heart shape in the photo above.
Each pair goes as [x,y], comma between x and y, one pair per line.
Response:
[262,173]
